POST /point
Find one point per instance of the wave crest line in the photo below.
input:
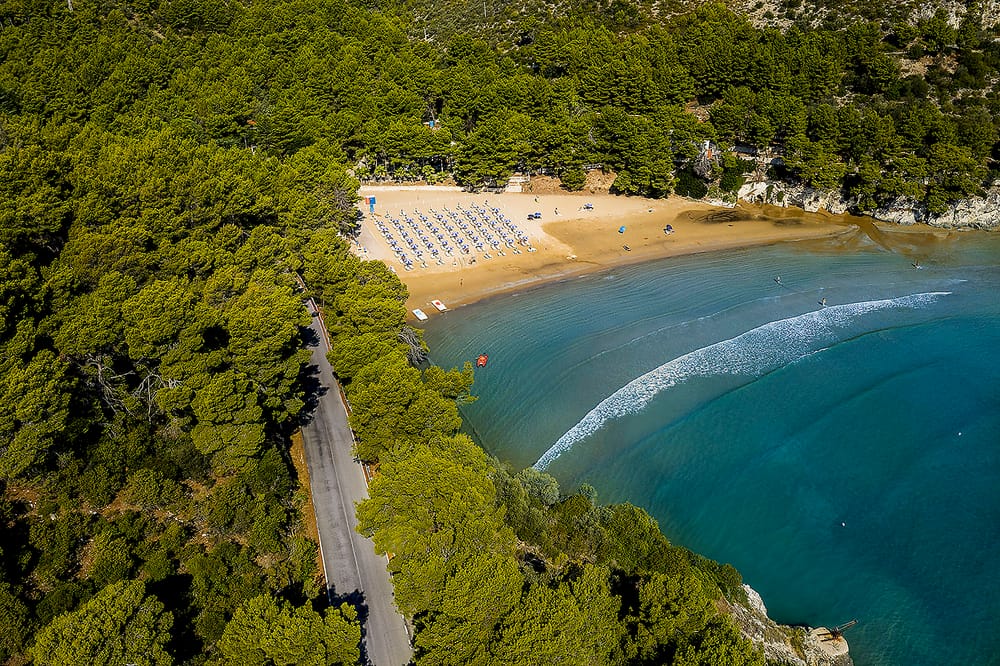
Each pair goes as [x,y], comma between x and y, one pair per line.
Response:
[750,353]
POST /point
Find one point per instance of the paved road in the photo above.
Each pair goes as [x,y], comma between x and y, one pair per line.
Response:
[353,571]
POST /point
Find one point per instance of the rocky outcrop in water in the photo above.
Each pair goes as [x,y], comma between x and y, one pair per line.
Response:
[975,213]
[795,646]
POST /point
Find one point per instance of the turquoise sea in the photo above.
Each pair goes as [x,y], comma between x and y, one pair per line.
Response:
[844,457]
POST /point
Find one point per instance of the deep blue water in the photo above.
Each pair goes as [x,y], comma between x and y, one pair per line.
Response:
[846,458]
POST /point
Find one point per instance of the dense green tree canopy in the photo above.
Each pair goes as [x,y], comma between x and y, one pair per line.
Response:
[120,625]
[264,632]
[433,507]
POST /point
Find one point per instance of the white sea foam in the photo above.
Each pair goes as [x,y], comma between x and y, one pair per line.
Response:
[752,353]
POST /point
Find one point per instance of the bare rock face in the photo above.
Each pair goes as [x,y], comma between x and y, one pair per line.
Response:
[776,14]
[828,648]
[795,646]
[974,213]
[901,211]
[704,163]
[798,196]
[978,213]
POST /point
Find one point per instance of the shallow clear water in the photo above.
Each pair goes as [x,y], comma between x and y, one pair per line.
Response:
[846,458]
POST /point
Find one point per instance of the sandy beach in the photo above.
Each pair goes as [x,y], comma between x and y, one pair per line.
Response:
[570,239]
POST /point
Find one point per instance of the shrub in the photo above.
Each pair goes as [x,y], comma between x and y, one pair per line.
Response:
[690,185]
[573,178]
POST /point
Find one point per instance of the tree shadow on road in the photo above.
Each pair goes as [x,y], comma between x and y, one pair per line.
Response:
[313,390]
[309,378]
[310,337]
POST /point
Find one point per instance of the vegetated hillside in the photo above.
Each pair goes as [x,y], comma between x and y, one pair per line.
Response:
[150,363]
[167,167]
[897,107]
[907,114]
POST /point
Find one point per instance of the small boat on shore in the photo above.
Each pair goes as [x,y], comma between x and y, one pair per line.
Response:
[441,307]
[420,314]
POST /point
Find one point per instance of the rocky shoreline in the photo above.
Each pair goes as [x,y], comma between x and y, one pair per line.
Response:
[976,213]
[782,644]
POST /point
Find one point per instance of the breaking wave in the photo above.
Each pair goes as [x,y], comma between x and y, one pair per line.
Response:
[752,353]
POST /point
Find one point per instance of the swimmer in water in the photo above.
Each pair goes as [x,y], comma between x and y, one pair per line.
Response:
[823,302]
[777,279]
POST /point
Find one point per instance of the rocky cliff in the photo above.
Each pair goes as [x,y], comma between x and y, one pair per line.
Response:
[782,14]
[976,213]
[794,646]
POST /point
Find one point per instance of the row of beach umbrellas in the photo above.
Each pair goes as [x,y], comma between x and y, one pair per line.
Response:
[419,238]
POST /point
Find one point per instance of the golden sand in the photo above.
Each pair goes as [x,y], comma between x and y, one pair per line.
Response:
[575,241]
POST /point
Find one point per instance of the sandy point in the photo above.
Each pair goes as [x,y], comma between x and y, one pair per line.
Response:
[576,234]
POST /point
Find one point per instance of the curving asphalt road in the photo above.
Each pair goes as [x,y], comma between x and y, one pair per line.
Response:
[354,573]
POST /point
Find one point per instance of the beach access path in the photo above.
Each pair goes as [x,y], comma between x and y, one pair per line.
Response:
[354,572]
